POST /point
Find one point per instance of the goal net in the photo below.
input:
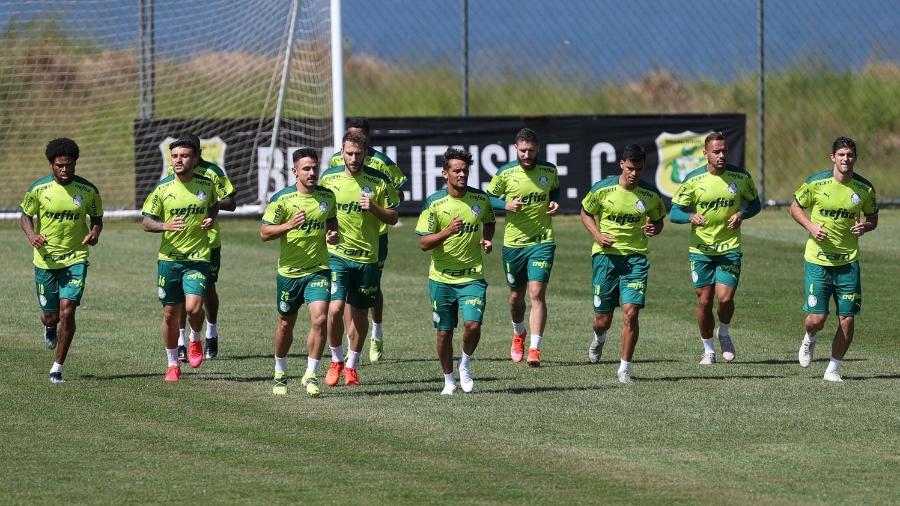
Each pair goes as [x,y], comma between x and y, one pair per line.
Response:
[101,71]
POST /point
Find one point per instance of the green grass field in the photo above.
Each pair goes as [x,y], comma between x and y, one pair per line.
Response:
[761,430]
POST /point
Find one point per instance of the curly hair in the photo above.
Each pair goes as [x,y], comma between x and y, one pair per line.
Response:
[61,147]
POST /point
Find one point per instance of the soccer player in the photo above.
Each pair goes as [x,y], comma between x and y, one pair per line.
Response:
[60,241]
[225,195]
[621,212]
[303,217]
[842,207]
[528,189]
[382,163]
[183,208]
[709,199]
[456,224]
[365,200]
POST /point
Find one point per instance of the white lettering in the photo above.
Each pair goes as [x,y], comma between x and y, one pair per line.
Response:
[553,150]
[434,156]
[270,167]
[416,172]
[600,150]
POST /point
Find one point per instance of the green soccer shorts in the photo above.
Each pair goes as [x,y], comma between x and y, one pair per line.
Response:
[354,282]
[177,279]
[709,270]
[447,300]
[619,278]
[291,293]
[840,282]
[63,283]
[531,263]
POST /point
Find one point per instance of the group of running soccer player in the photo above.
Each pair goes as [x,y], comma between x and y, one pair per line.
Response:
[333,232]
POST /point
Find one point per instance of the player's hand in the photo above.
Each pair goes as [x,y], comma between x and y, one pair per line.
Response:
[553,208]
[650,229]
[735,220]
[455,225]
[207,223]
[91,239]
[486,245]
[331,237]
[515,205]
[364,202]
[175,225]
[818,232]
[698,219]
[859,228]
[38,241]
[605,241]
[298,219]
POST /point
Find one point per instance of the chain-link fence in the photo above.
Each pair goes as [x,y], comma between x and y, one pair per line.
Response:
[71,67]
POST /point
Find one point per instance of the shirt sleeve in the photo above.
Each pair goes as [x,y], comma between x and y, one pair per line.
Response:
[803,196]
[153,205]
[590,203]
[274,214]
[870,205]
[684,195]
[427,223]
[224,187]
[95,208]
[332,206]
[497,186]
[749,191]
[390,199]
[487,214]
[29,205]
[658,211]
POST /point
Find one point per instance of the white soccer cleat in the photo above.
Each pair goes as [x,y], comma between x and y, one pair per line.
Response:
[806,353]
[449,389]
[834,377]
[595,350]
[465,379]
[708,359]
[624,377]
[727,348]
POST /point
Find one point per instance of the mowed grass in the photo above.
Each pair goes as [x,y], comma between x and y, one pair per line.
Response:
[760,430]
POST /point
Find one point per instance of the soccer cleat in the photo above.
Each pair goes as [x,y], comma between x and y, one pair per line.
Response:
[534,357]
[624,377]
[279,383]
[195,354]
[727,348]
[449,389]
[708,359]
[312,384]
[806,353]
[350,377]
[182,353]
[595,350]
[56,377]
[334,374]
[376,350]
[465,379]
[834,377]
[50,337]
[517,350]
[212,347]
[173,373]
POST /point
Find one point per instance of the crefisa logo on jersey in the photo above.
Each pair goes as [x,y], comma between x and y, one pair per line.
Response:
[476,210]
[543,181]
[201,196]
[323,206]
[78,199]
[640,206]
[679,153]
[854,199]
[732,188]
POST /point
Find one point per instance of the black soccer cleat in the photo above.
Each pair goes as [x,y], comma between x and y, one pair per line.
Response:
[212,347]
[182,353]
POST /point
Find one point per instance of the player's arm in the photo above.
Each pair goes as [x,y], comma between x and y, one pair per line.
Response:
[553,205]
[155,225]
[385,214]
[815,230]
[487,236]
[36,240]
[331,231]
[587,219]
[680,214]
[93,236]
[431,241]
[228,203]
[269,231]
[861,227]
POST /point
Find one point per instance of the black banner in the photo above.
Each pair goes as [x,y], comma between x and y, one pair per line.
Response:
[584,149]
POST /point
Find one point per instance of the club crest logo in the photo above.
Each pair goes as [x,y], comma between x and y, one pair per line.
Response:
[333,288]
[640,206]
[162,293]
[679,153]
[42,300]
[213,150]
[543,181]
[694,276]
[201,196]
[78,199]
[732,188]
[510,278]
[436,318]
[323,206]
[284,306]
[811,300]
[597,301]
[476,210]
[367,191]
[855,199]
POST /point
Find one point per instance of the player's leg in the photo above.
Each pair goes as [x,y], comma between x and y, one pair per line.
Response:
[848,296]
[471,299]
[182,344]
[539,264]
[171,296]
[515,269]
[335,318]
[703,276]
[444,346]
[728,274]
[605,298]
[359,327]
[819,288]
[284,337]
[376,345]
[46,288]
[211,303]
[317,295]
[194,285]
[632,287]
[444,317]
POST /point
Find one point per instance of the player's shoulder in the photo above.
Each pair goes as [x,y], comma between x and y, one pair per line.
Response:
[323,192]
[477,195]
[332,171]
[508,167]
[606,182]
[434,198]
[647,188]
[164,182]
[336,159]
[861,180]
[544,165]
[203,179]
[698,172]
[734,169]
[210,167]
[41,182]
[85,184]
[380,157]
[375,175]
[282,193]
[820,176]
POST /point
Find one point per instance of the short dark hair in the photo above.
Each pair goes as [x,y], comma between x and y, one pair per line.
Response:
[62,146]
[843,142]
[355,138]
[186,140]
[306,152]
[634,153]
[457,154]
[715,136]
[358,122]
[527,135]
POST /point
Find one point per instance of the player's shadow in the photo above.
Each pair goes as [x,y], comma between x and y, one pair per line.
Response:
[254,357]
[776,361]
[708,378]
[872,377]
[100,377]
[425,381]
[576,363]
[436,387]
